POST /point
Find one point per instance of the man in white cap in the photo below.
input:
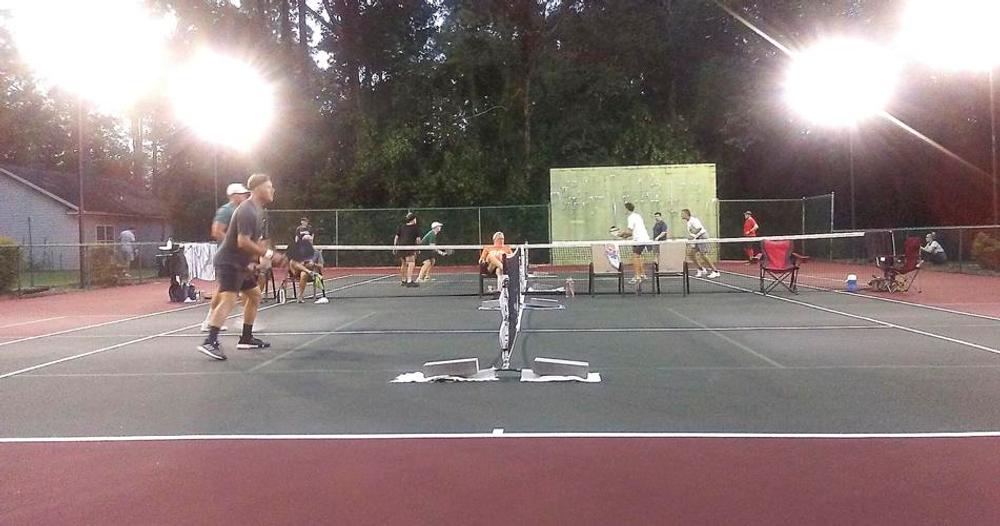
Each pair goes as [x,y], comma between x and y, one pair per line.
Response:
[237,194]
[430,239]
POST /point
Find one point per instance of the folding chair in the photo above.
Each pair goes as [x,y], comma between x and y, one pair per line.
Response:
[898,272]
[671,261]
[779,263]
[600,266]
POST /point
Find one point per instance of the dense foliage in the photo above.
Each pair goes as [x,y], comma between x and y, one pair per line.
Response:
[470,102]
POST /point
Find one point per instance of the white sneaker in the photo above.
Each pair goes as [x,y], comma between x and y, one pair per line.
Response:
[700,273]
[633,281]
[714,274]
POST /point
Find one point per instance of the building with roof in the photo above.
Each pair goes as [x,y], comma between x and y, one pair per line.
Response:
[39,206]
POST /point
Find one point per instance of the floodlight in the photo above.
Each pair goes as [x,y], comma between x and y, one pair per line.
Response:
[222,99]
[839,82]
[957,34]
[108,52]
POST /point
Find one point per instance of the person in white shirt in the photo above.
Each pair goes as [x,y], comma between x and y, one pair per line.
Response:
[639,233]
[933,251]
[699,249]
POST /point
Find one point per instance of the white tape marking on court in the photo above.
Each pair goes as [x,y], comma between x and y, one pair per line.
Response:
[497,430]
[869,319]
[440,436]
[30,322]
[310,342]
[113,347]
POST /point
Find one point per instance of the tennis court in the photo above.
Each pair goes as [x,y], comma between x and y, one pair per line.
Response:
[710,407]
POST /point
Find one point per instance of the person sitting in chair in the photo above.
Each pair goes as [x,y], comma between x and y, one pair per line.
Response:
[491,260]
[304,263]
[933,251]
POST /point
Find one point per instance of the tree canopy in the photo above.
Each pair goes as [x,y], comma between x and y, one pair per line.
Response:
[470,102]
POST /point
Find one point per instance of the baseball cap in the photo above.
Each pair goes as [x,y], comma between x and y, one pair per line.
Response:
[436,224]
[236,188]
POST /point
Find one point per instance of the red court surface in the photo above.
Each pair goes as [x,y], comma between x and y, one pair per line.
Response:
[494,480]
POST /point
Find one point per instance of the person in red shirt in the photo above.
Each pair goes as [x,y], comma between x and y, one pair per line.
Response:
[750,228]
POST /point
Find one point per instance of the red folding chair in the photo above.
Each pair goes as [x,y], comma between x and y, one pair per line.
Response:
[779,263]
[898,272]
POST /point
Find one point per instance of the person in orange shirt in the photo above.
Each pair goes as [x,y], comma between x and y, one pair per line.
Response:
[491,260]
[750,228]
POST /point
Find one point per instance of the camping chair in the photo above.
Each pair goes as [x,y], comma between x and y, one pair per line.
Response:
[781,264]
[671,260]
[600,266]
[898,272]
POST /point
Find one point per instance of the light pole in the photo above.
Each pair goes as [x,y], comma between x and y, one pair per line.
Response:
[840,83]
[224,101]
[960,36]
[99,68]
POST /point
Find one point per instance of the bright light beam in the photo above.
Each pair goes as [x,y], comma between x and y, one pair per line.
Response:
[109,52]
[224,100]
[955,35]
[840,82]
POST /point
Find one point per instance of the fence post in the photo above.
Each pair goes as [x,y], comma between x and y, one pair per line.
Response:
[961,255]
[479,214]
[336,237]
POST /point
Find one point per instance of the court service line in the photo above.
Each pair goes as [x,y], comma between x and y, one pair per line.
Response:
[389,332]
[310,342]
[728,339]
[113,347]
[96,325]
[505,436]
[869,319]
[30,322]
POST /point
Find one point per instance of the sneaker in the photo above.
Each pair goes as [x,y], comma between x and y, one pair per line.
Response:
[634,280]
[252,343]
[403,284]
[714,274]
[204,327]
[700,273]
[412,284]
[212,349]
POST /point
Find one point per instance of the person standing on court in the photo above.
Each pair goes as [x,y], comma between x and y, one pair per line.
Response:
[659,229]
[407,234]
[237,194]
[699,250]
[236,266]
[126,246]
[430,239]
[750,228]
[639,233]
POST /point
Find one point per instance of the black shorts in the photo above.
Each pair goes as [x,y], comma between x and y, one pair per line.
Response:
[638,249]
[408,254]
[234,280]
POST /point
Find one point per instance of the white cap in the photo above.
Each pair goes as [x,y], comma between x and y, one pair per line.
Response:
[236,188]
[436,224]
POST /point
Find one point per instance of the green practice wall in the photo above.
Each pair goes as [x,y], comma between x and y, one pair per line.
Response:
[585,202]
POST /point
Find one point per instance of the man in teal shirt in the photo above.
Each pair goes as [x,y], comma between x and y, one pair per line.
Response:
[237,194]
[430,239]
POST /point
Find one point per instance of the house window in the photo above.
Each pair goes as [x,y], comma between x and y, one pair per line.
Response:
[105,234]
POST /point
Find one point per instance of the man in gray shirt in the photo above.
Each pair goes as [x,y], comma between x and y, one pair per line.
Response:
[236,266]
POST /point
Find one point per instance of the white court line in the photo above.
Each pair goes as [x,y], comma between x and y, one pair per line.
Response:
[786,368]
[439,436]
[30,322]
[96,325]
[729,340]
[316,339]
[428,332]
[931,307]
[869,319]
[113,347]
